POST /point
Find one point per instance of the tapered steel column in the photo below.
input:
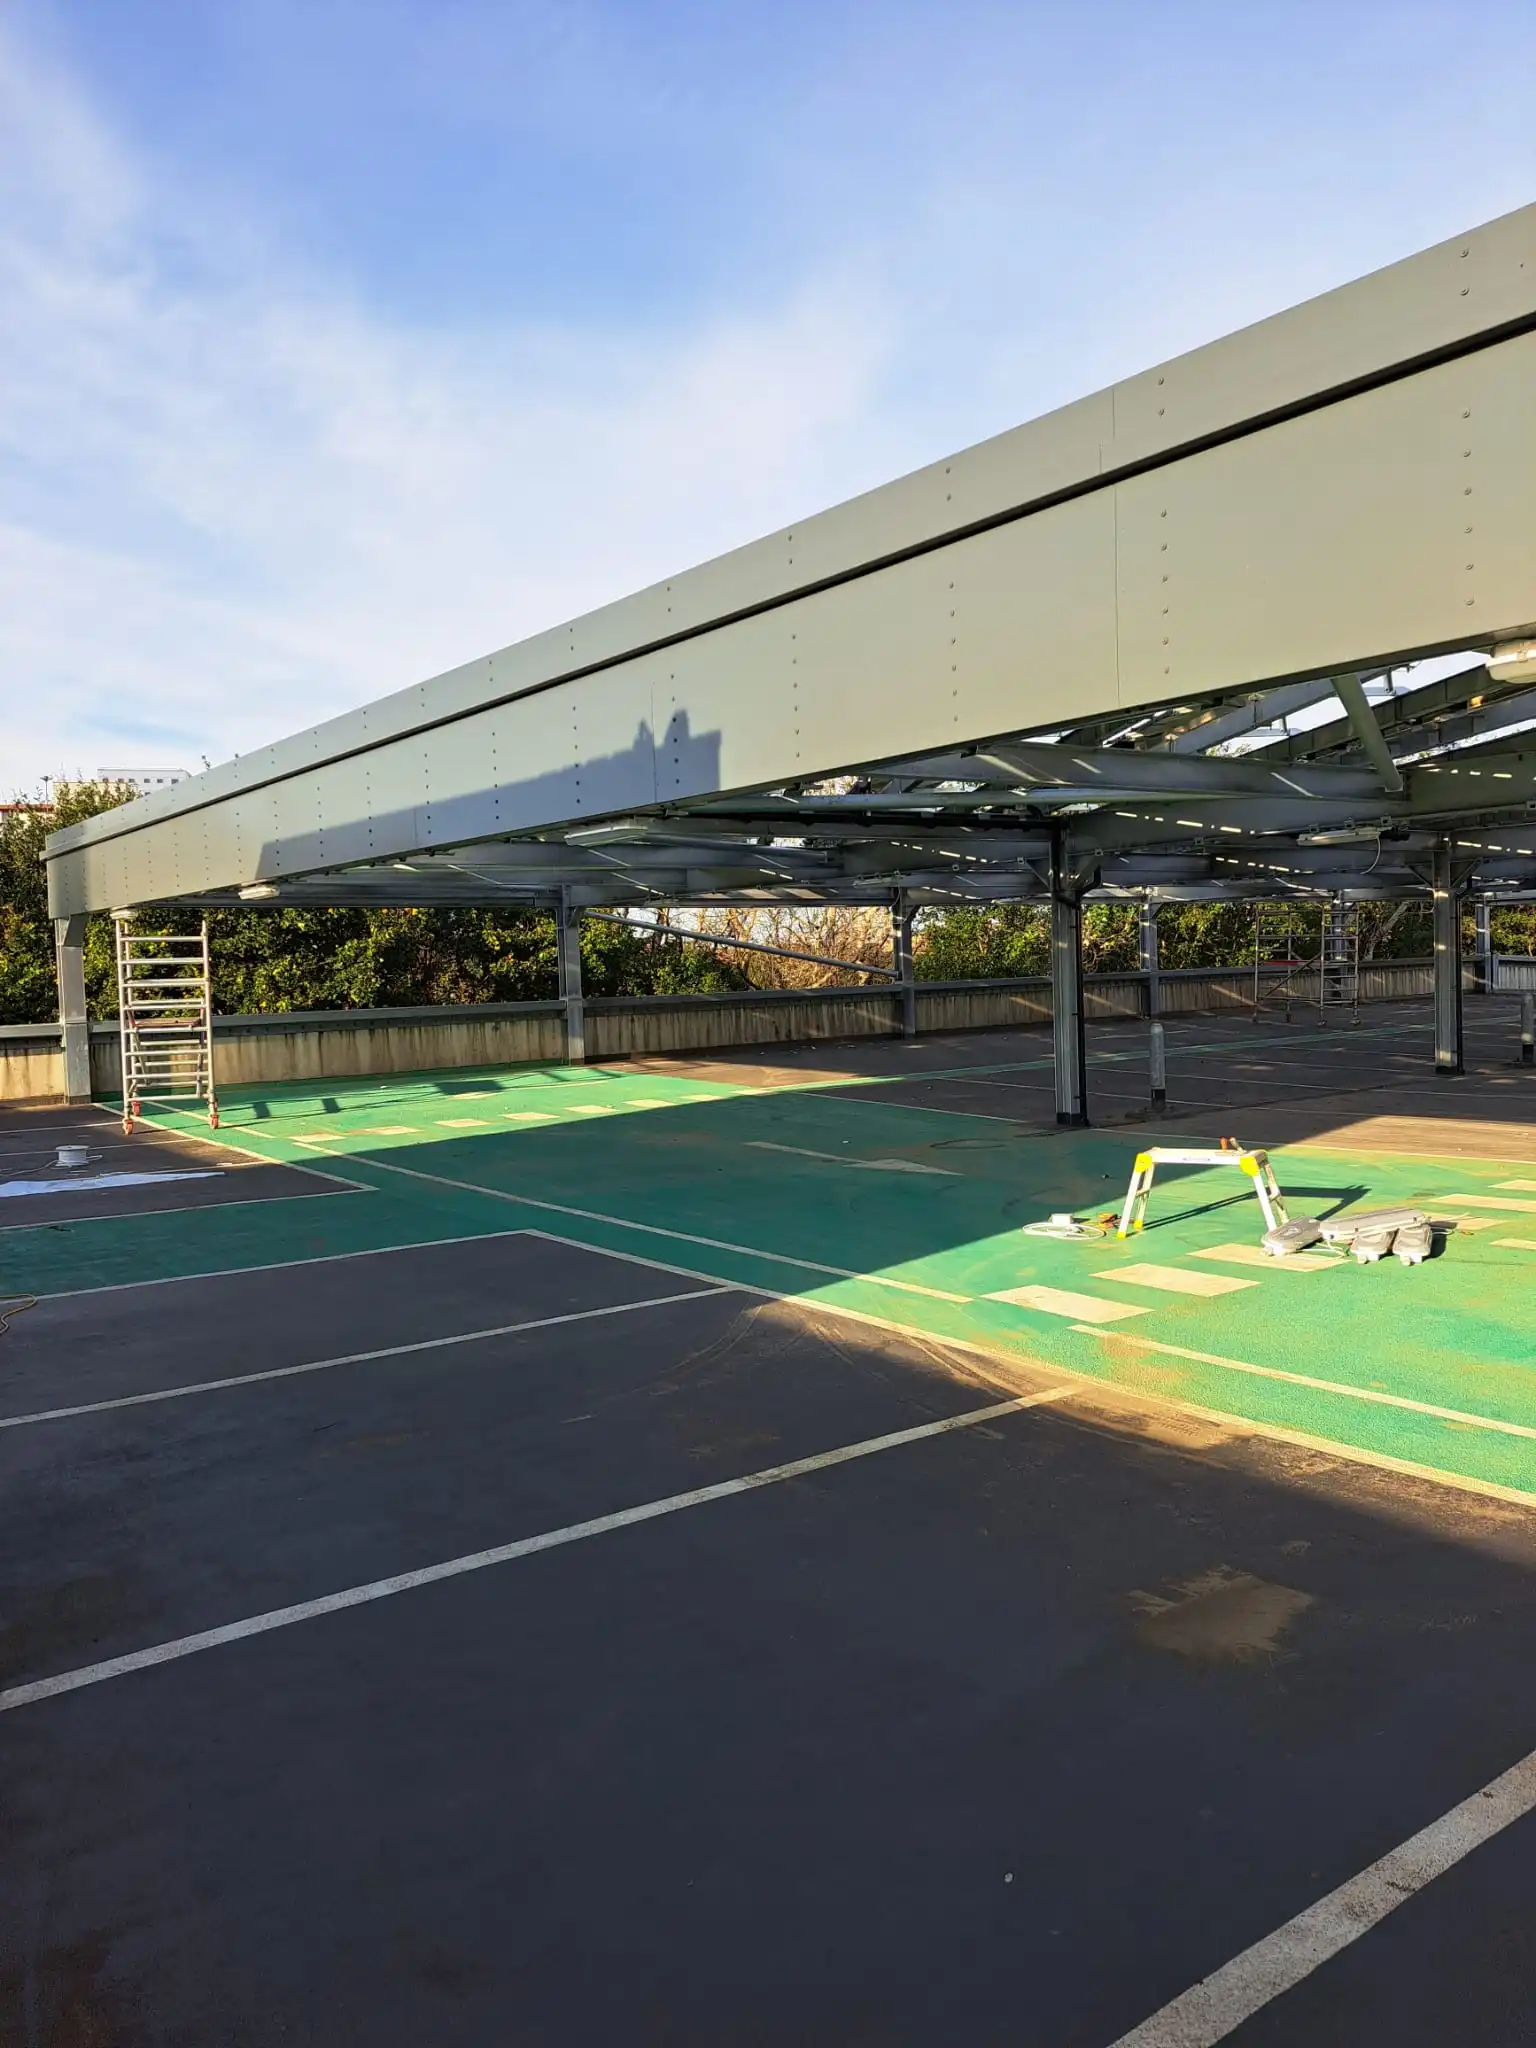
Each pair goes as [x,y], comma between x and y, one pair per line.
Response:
[1068,1043]
[568,945]
[69,963]
[1447,931]
[1482,945]
[1146,942]
[901,960]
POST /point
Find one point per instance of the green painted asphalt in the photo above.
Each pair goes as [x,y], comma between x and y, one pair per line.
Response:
[892,1212]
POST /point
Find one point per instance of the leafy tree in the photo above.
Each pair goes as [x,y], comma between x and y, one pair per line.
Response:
[294,958]
[28,988]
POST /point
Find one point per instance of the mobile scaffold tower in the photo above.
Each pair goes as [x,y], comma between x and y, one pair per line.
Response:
[165,1013]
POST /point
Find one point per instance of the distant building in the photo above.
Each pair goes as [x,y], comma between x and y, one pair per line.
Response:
[145,780]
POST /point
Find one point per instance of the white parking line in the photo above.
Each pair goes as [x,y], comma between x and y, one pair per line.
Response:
[1091,1385]
[503,1553]
[848,1159]
[372,1251]
[716,1244]
[220,1143]
[1219,2004]
[288,1372]
[329,1194]
[1461,1416]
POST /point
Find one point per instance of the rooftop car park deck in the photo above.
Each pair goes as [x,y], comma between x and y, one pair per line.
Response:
[658,1550]
[556,1554]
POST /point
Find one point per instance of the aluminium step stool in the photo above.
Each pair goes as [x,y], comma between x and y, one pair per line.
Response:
[1254,1164]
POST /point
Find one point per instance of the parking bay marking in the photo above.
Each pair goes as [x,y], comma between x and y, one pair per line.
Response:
[288,1372]
[506,1553]
[1219,2004]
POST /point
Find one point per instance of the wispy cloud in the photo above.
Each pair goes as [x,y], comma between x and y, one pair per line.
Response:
[741,263]
[237,501]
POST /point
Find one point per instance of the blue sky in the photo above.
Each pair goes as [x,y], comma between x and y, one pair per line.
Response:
[343,341]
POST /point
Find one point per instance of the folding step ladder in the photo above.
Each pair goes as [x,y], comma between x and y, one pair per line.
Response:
[1255,1165]
[165,1015]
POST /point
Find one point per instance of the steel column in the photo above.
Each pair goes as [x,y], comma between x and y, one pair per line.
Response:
[1158,1064]
[1147,946]
[1068,1042]
[69,964]
[1482,945]
[901,961]
[1447,930]
[568,947]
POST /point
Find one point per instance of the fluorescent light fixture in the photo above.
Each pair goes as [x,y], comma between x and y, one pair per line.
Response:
[1513,662]
[257,892]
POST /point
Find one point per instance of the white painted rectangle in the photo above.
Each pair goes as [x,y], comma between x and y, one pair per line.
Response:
[1059,1301]
[1255,1255]
[1175,1280]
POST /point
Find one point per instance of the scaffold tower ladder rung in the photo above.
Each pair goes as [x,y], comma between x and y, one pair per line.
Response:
[165,1019]
[1339,966]
[1278,961]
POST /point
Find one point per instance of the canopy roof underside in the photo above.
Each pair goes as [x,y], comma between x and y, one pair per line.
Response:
[1260,622]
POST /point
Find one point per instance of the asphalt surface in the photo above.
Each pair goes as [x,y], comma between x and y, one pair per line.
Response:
[1006,1735]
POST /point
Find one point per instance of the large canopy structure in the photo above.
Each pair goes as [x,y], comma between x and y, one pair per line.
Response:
[1167,642]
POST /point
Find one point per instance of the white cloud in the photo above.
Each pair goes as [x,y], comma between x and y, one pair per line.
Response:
[236,498]
[237,502]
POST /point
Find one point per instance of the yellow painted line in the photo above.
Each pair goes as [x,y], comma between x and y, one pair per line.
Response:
[1517,1187]
[1059,1301]
[650,1101]
[1488,1202]
[1255,1255]
[591,1109]
[1176,1280]
[1517,1244]
[528,1116]
[462,1123]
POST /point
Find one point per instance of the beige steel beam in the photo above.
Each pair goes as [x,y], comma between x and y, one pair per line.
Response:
[1350,483]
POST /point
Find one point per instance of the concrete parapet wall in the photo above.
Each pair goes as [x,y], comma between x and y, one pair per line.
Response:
[305,1045]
